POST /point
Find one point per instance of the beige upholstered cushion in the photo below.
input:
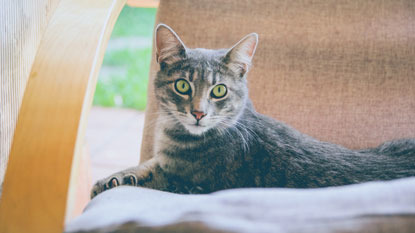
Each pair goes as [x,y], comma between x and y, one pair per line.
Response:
[340,71]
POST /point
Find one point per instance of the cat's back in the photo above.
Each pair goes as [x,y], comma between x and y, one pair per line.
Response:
[270,132]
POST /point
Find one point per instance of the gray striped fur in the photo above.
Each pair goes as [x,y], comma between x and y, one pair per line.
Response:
[234,146]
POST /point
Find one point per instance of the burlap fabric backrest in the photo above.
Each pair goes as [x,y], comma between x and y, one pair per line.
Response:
[340,71]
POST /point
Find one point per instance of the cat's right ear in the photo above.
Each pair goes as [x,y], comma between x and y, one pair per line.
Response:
[169,47]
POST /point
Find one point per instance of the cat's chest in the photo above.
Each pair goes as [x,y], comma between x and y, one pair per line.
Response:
[186,158]
[190,170]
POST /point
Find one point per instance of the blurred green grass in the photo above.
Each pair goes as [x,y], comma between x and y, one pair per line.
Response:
[123,79]
[135,22]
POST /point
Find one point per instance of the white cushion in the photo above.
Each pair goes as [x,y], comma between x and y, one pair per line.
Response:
[251,209]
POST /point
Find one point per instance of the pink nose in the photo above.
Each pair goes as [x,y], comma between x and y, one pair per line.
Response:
[198,115]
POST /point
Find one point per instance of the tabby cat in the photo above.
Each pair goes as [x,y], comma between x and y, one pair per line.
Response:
[209,137]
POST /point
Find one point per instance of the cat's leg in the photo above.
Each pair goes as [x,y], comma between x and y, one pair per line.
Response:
[148,175]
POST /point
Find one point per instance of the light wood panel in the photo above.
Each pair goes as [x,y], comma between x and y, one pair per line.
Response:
[143,3]
[50,128]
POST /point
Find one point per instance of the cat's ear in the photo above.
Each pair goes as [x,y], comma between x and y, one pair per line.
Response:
[169,47]
[239,57]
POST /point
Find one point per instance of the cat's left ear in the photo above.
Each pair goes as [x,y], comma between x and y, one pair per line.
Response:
[239,57]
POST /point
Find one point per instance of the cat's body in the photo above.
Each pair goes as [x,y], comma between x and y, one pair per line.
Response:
[262,152]
[209,137]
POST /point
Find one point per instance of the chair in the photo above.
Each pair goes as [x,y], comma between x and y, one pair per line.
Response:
[341,72]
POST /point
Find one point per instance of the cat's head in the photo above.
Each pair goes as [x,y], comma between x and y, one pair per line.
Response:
[201,89]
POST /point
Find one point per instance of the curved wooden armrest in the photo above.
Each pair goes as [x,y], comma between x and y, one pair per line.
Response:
[50,127]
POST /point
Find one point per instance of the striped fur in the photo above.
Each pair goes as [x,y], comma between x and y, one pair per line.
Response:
[233,146]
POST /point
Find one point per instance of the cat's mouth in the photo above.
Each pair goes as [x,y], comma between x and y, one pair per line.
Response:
[196,128]
[197,125]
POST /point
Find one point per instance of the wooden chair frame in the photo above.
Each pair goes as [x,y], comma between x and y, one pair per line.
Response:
[51,124]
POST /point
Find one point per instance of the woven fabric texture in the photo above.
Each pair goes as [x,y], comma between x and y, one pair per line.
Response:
[340,71]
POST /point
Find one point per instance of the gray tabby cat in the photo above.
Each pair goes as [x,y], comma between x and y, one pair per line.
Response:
[209,137]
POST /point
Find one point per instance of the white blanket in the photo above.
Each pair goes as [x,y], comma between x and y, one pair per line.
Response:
[253,209]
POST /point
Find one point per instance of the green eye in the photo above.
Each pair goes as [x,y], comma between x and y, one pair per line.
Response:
[182,86]
[219,91]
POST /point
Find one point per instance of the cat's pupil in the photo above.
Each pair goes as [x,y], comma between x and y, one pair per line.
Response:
[219,90]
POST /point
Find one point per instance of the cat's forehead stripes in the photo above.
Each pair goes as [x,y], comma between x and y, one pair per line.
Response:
[203,74]
[191,73]
[192,64]
[214,76]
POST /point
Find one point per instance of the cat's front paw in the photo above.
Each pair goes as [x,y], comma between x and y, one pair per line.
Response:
[112,182]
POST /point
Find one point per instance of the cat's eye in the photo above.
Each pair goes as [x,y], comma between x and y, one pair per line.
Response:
[182,86]
[219,91]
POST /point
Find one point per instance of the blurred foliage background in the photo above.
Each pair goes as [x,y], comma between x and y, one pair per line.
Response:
[124,74]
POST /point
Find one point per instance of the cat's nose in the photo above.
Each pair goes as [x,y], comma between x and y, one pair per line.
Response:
[198,115]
